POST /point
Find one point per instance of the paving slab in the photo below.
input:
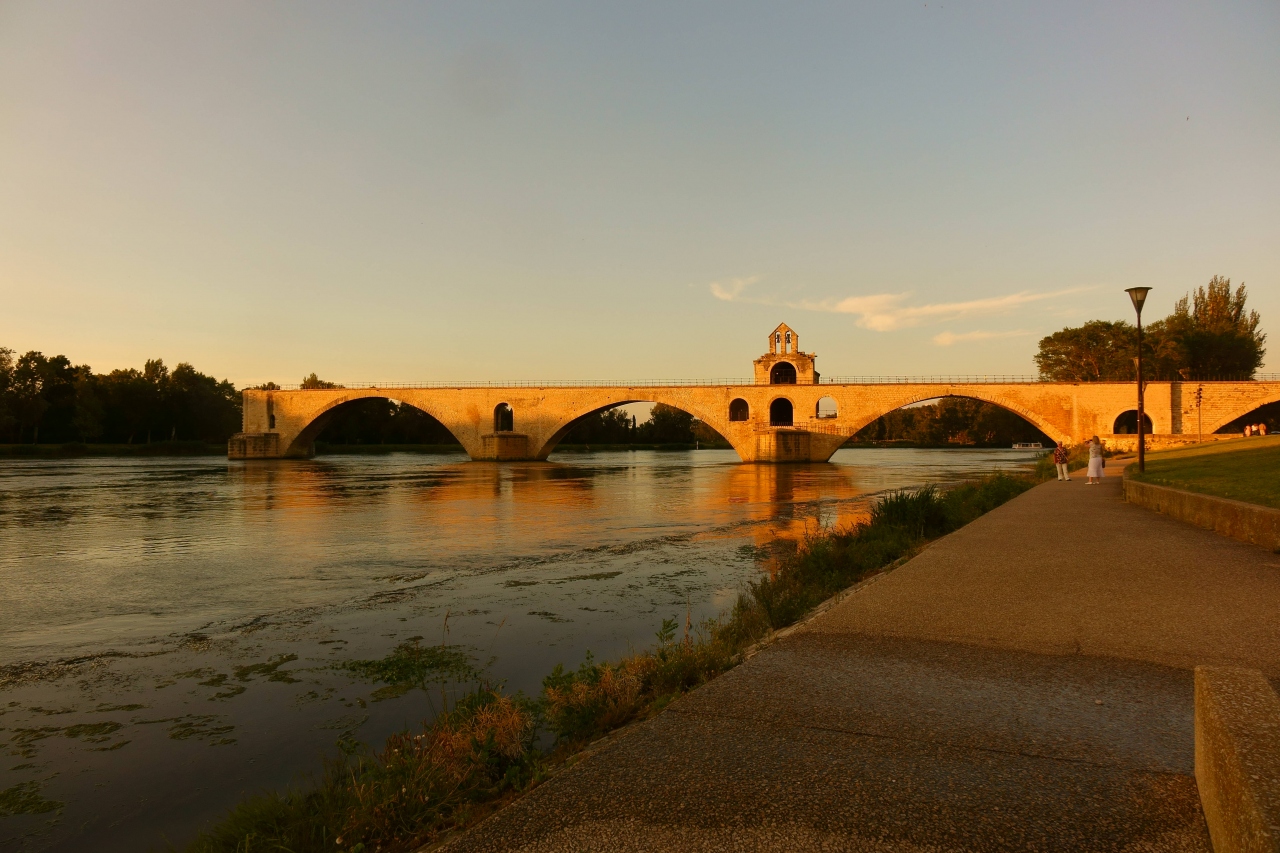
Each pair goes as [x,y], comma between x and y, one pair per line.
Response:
[1023,684]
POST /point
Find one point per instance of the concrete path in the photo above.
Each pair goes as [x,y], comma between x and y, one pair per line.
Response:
[1023,684]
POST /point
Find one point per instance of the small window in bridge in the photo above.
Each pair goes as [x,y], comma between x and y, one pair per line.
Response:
[780,413]
[783,373]
[1127,423]
[739,410]
[503,418]
[827,408]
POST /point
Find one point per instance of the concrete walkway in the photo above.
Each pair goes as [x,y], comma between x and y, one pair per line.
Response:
[1023,684]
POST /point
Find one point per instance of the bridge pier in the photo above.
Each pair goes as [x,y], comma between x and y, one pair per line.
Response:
[504,446]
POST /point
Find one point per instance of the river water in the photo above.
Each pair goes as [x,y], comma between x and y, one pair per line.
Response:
[170,628]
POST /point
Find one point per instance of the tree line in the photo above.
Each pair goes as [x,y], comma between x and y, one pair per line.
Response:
[50,400]
[1209,335]
[949,422]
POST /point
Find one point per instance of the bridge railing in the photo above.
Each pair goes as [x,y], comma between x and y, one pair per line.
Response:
[991,379]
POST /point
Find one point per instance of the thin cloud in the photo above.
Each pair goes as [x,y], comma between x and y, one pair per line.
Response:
[946,339]
[887,312]
[730,290]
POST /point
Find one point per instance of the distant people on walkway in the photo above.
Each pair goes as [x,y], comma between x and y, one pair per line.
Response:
[1095,461]
[1262,429]
[1248,430]
[1060,459]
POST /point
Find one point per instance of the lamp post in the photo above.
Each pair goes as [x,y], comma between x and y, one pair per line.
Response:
[1139,295]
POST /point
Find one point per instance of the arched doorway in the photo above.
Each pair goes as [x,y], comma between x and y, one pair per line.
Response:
[504,419]
[1127,423]
[783,373]
[781,412]
[827,408]
[739,410]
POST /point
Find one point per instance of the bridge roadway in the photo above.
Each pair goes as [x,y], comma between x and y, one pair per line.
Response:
[285,423]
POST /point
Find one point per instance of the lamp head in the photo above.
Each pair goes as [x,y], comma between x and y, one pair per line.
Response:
[1139,296]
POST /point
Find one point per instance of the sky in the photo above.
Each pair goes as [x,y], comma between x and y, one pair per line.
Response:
[405,192]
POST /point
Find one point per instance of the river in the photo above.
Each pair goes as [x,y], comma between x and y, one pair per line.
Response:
[170,628]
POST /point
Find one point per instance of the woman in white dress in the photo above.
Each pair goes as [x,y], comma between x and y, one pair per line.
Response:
[1095,461]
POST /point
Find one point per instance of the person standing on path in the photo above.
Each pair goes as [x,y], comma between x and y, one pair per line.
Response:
[1060,459]
[1095,461]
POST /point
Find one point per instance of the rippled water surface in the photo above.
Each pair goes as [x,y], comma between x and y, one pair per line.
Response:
[169,627]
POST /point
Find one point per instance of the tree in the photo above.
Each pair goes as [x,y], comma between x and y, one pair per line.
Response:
[1097,351]
[614,426]
[666,425]
[1220,338]
[315,383]
[1209,335]
[8,415]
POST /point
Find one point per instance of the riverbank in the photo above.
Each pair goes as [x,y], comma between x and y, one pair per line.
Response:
[1007,689]
[483,751]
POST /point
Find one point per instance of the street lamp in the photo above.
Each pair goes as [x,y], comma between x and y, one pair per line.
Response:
[1139,296]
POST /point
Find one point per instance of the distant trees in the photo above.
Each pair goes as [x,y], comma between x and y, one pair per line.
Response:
[378,421]
[47,399]
[666,425]
[952,421]
[1209,335]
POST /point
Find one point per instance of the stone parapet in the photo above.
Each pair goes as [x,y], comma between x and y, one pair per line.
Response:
[1237,745]
[1259,525]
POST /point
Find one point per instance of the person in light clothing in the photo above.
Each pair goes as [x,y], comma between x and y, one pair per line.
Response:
[1060,459]
[1095,461]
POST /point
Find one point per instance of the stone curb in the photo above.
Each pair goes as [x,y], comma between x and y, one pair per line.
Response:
[1257,525]
[1237,731]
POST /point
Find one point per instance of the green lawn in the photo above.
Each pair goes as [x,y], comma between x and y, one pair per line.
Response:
[1247,469]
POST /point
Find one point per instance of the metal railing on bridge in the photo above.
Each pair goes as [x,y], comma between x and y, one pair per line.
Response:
[984,379]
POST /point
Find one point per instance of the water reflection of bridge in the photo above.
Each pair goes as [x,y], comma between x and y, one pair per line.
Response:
[786,413]
[775,502]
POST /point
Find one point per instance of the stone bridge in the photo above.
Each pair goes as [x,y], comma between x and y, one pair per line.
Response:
[787,413]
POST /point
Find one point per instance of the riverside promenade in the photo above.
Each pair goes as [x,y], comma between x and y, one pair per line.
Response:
[1023,684]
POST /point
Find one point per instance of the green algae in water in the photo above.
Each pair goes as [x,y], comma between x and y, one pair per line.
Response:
[93,732]
[24,798]
[411,666]
[549,616]
[269,668]
[197,727]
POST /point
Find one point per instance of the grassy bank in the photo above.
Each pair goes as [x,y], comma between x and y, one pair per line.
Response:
[155,448]
[1244,470]
[484,750]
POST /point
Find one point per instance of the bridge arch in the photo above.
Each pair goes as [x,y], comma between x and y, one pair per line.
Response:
[1240,412]
[674,400]
[301,442]
[975,392]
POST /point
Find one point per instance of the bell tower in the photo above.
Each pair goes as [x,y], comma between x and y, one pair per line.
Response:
[784,363]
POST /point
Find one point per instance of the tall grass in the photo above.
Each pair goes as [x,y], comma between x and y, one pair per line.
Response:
[485,749]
